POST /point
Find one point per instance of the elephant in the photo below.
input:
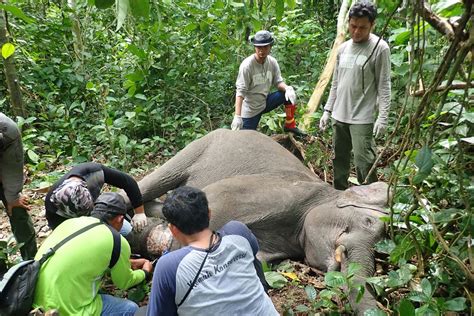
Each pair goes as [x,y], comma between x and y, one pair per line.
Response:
[249,177]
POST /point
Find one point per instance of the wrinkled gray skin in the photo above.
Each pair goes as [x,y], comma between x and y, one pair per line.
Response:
[249,177]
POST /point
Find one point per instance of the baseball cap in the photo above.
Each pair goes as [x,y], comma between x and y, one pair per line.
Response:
[112,203]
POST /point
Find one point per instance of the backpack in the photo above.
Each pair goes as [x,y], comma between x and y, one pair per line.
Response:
[17,287]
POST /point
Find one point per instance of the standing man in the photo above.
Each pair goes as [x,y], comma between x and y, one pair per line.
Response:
[11,185]
[215,273]
[361,81]
[257,74]
[69,281]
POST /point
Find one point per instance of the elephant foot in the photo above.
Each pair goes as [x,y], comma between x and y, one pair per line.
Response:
[159,241]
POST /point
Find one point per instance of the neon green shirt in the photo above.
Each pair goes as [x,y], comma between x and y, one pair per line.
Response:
[70,280]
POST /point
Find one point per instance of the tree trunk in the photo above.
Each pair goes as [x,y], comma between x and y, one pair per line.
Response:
[76,31]
[326,75]
[11,76]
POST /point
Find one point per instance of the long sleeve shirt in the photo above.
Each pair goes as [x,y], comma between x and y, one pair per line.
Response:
[95,175]
[70,280]
[357,89]
[254,82]
[11,159]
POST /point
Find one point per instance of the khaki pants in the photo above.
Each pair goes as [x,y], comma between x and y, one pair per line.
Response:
[356,137]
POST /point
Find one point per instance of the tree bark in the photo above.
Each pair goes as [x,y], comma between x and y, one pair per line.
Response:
[326,75]
[11,75]
[76,31]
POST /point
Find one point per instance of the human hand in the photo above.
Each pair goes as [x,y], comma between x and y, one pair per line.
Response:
[290,94]
[148,267]
[237,123]
[137,263]
[324,121]
[22,202]
[139,221]
[379,128]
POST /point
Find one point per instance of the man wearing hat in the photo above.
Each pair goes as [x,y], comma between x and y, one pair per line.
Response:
[69,281]
[257,74]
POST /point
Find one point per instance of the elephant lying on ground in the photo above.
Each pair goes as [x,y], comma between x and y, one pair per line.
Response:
[249,177]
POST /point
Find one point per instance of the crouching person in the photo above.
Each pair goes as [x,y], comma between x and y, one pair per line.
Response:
[69,281]
[215,273]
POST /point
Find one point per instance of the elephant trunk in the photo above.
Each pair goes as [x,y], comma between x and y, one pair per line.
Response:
[364,257]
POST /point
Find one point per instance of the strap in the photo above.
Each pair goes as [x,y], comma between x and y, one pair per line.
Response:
[117,245]
[208,250]
[51,251]
[194,281]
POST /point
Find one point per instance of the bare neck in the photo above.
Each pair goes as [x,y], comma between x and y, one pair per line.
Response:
[198,240]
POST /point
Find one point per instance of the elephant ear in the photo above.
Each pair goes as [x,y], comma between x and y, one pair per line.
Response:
[373,196]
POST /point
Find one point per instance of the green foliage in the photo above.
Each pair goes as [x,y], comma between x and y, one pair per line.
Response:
[8,249]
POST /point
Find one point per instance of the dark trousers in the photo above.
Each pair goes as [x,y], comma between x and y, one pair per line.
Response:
[22,228]
[357,138]
[274,100]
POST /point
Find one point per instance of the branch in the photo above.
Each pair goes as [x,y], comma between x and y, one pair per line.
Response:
[454,86]
[440,24]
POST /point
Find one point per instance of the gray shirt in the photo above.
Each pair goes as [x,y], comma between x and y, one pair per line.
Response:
[352,99]
[11,159]
[254,83]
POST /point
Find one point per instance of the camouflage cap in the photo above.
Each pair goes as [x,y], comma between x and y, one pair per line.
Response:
[72,198]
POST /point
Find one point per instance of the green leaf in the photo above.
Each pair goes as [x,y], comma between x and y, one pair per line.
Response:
[424,162]
[137,294]
[89,85]
[291,4]
[353,268]
[374,312]
[16,12]
[457,304]
[122,9]
[279,9]
[33,156]
[406,308]
[275,279]
[140,8]
[302,308]
[334,279]
[469,140]
[104,4]
[130,115]
[426,287]
[7,50]
[237,4]
[311,292]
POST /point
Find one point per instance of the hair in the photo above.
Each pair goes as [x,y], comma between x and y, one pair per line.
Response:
[187,209]
[103,215]
[362,9]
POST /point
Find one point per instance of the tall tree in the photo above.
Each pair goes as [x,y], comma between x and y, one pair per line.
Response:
[11,75]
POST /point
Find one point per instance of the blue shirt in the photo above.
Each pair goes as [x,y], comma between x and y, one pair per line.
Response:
[228,283]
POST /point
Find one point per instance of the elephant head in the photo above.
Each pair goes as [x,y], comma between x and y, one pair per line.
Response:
[344,231]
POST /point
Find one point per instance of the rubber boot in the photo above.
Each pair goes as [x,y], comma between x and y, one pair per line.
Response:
[24,232]
[290,123]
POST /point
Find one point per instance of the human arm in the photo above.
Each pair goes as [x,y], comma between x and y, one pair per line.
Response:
[123,276]
[382,77]
[12,167]
[328,108]
[237,122]
[163,289]
[124,181]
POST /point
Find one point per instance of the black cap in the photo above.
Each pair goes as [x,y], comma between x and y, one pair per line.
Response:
[110,202]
